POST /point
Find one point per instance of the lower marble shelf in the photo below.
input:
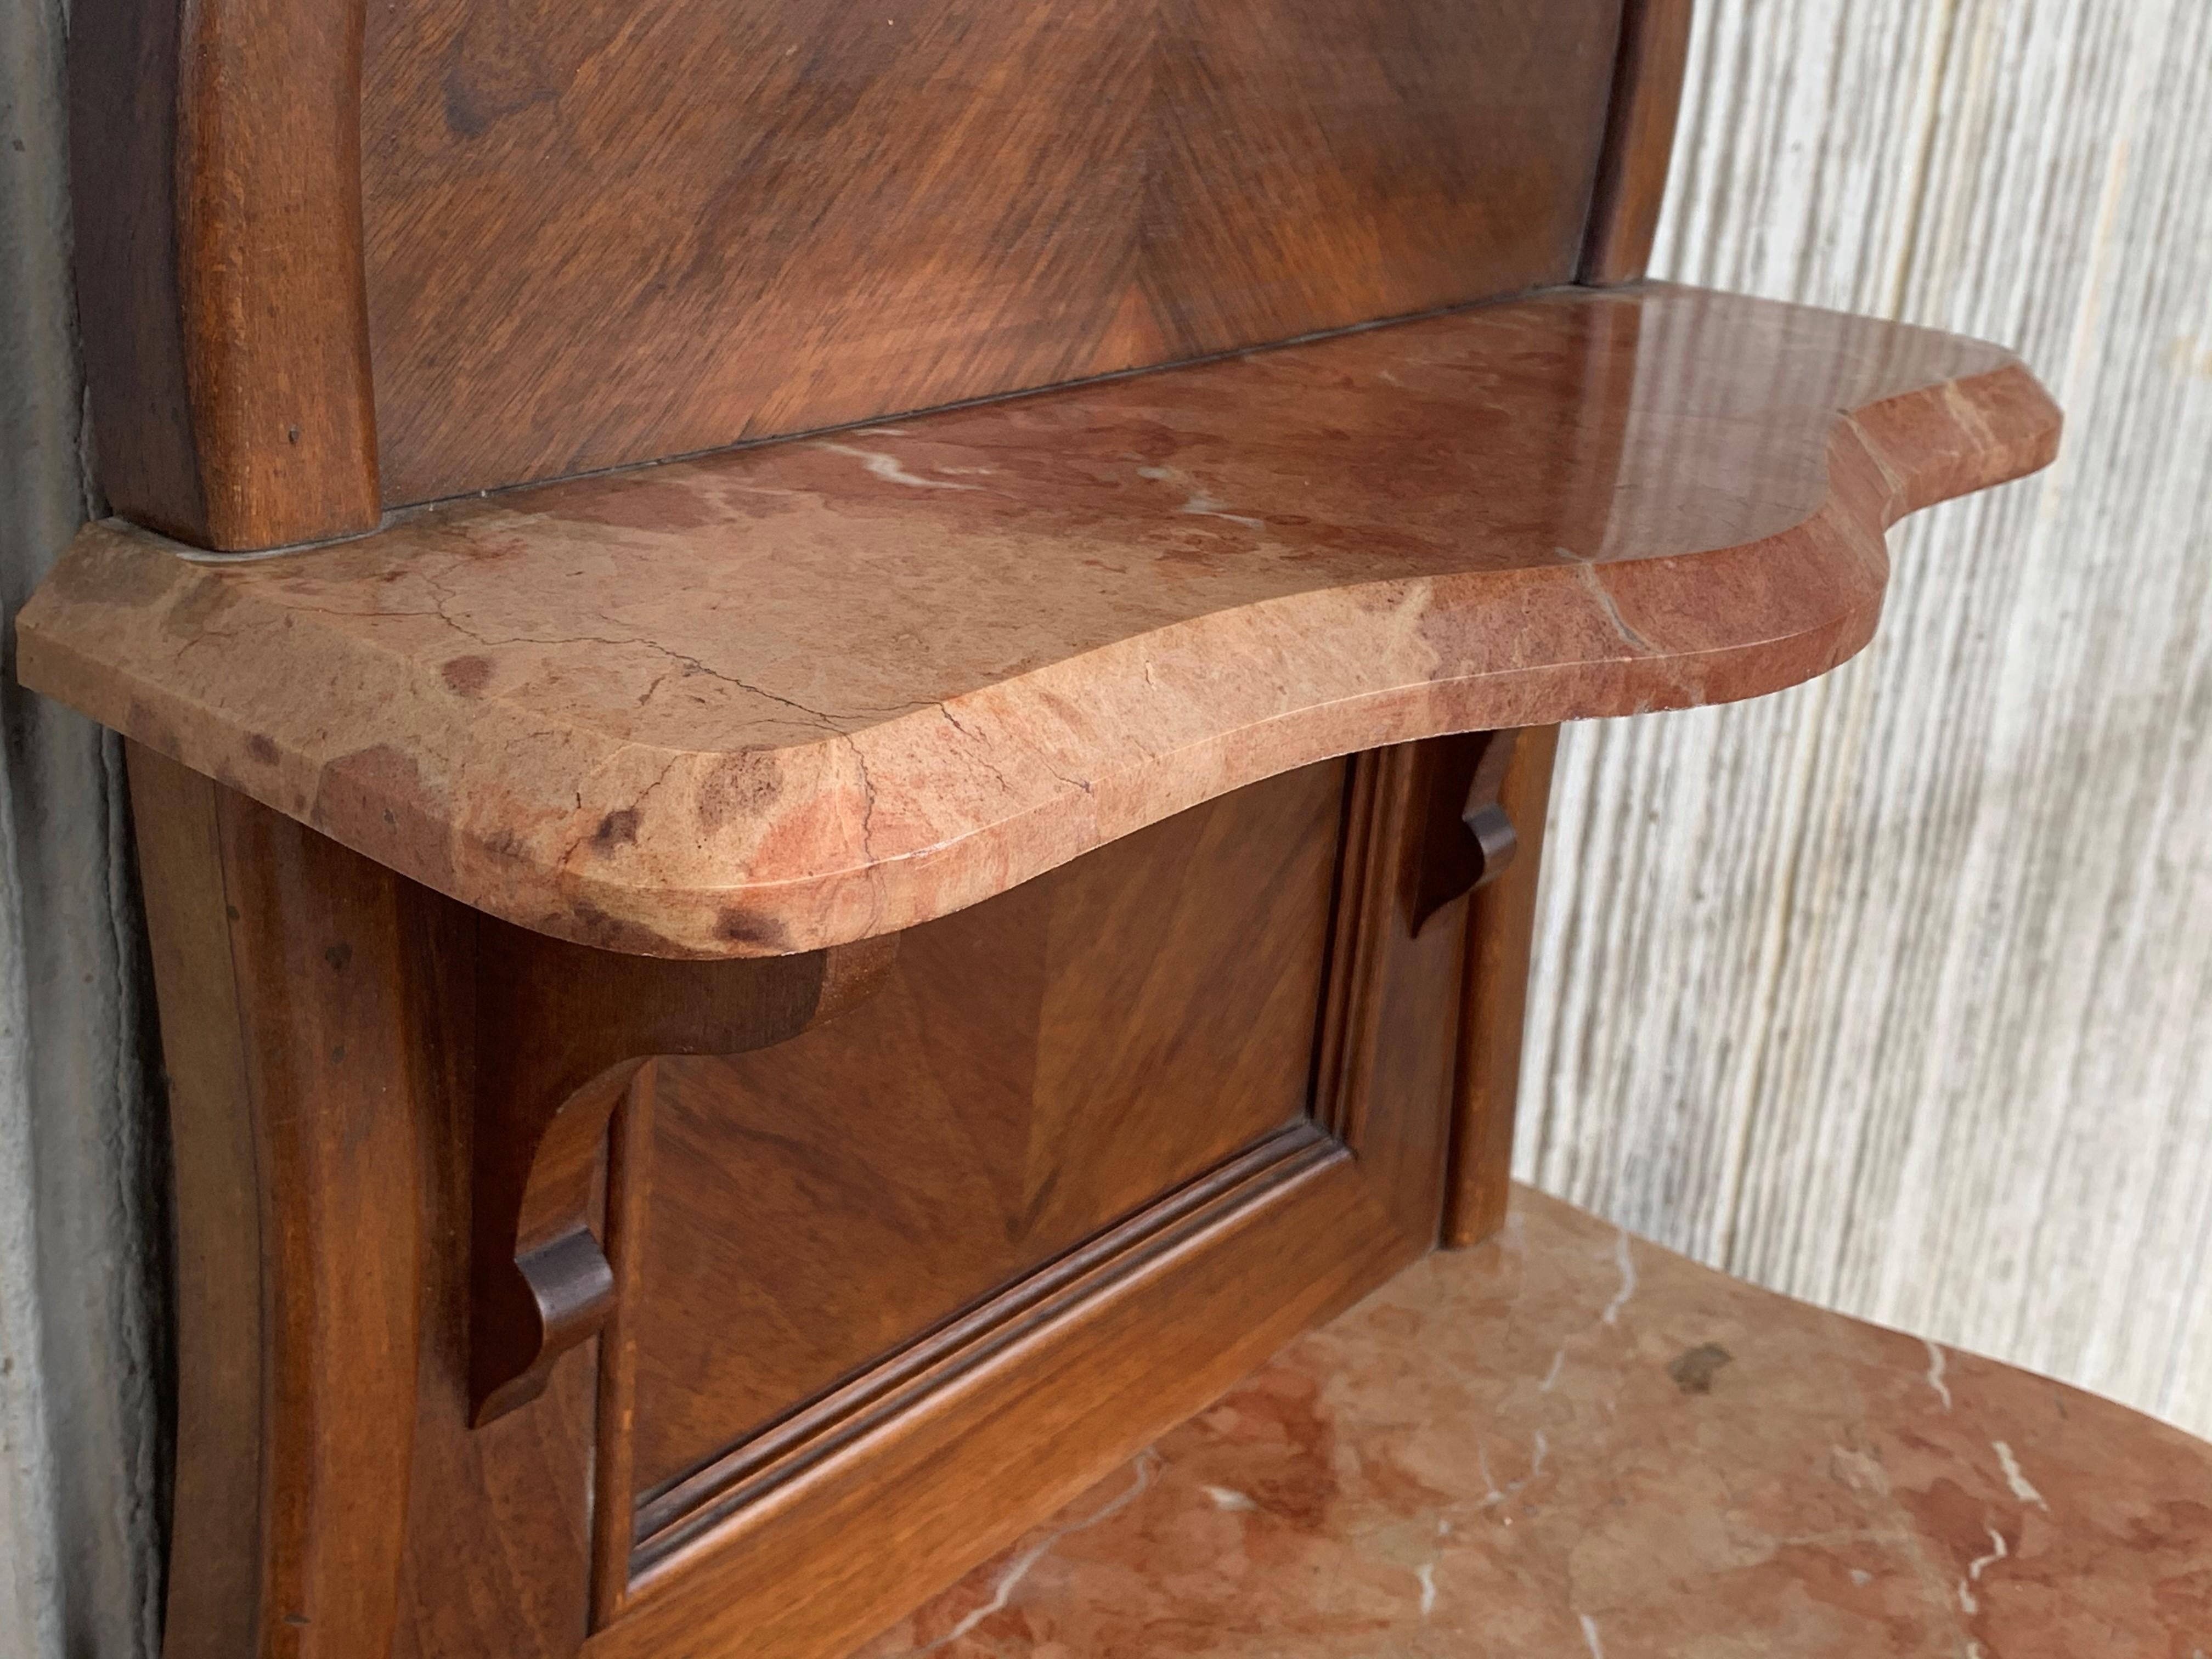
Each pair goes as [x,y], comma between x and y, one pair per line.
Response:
[1570,1442]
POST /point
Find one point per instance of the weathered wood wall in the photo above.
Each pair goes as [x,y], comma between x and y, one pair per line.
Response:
[1896,991]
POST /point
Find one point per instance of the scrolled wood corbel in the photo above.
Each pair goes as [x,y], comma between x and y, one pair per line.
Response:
[1468,838]
[561,1031]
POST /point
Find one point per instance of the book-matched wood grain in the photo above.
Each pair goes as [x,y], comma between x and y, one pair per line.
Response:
[1033,1070]
[596,235]
[570,236]
[893,1481]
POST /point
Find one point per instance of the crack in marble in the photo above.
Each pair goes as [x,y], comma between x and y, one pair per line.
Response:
[983,753]
[826,722]
[1586,573]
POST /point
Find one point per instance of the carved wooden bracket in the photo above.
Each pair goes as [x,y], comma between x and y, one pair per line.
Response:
[1468,840]
[561,1030]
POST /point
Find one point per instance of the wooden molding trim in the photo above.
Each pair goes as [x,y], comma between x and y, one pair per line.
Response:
[1639,141]
[561,1031]
[284,974]
[216,164]
[1501,929]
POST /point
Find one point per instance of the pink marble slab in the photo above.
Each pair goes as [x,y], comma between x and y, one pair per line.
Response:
[783,697]
[1570,1443]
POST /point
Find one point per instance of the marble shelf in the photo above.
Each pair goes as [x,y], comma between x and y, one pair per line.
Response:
[1568,1442]
[781,697]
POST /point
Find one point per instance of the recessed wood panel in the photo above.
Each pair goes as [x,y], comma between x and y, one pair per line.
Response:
[599,233]
[1036,1068]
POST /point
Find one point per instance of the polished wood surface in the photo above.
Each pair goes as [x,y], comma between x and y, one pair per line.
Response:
[1639,141]
[596,236]
[216,193]
[1469,839]
[1034,1070]
[298,1111]
[782,698]
[341,257]
[498,1534]
[1501,932]
[563,1030]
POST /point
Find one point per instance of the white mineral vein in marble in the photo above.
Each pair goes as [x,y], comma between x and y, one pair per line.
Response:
[1935,1362]
[1975,1568]
[1627,1265]
[1199,502]
[2018,1482]
[887,468]
[1206,508]
[1552,1377]
[1492,1497]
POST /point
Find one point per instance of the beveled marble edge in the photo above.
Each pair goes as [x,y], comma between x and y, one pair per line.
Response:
[862,832]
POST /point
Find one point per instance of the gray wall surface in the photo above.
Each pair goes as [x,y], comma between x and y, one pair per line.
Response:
[80,1349]
[1895,991]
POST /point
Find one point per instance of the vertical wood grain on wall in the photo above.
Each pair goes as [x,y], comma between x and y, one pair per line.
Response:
[1895,991]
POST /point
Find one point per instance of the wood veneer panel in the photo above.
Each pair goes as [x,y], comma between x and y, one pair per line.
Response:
[1034,1069]
[596,235]
[893,1481]
[780,698]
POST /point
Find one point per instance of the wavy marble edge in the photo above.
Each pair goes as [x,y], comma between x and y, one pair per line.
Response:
[940,808]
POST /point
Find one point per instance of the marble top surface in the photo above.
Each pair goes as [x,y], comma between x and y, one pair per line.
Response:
[1570,1443]
[781,697]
